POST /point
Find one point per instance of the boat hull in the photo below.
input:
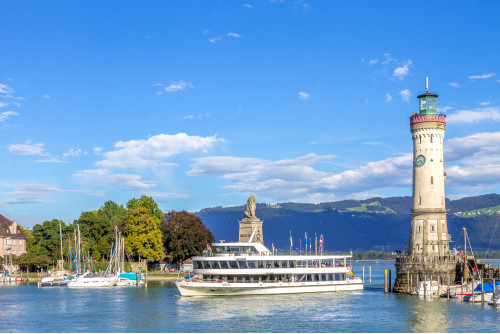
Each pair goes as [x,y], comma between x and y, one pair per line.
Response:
[187,288]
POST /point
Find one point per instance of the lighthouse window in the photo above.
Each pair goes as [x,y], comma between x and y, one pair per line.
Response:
[419,140]
[419,229]
[432,229]
[432,179]
[419,200]
[431,138]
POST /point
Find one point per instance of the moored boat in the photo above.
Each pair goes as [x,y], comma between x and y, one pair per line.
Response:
[251,269]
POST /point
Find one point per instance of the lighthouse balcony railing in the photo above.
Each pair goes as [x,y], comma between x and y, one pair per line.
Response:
[421,118]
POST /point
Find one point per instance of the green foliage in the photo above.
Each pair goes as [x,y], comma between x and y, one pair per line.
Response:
[150,204]
[31,259]
[45,239]
[185,235]
[142,235]
[97,227]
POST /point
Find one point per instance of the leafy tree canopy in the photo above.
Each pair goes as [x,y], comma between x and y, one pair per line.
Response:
[150,204]
[46,239]
[142,235]
[31,259]
[185,235]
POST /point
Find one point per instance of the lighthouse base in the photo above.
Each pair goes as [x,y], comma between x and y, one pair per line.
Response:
[413,269]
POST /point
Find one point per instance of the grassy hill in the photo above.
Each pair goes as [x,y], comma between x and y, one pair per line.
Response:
[373,224]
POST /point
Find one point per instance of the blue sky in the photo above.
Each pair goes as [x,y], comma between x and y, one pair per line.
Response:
[201,104]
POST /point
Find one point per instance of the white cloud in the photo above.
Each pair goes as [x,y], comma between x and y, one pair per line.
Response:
[233,34]
[482,76]
[3,104]
[51,160]
[72,153]
[199,116]
[27,148]
[5,115]
[454,84]
[304,96]
[402,71]
[46,96]
[485,103]
[372,62]
[152,151]
[247,5]
[475,115]
[296,179]
[472,161]
[97,150]
[388,59]
[388,97]
[157,194]
[215,39]
[405,95]
[480,148]
[443,109]
[103,177]
[4,89]
[178,85]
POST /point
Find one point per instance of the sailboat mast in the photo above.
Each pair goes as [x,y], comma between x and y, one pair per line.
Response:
[465,254]
[60,237]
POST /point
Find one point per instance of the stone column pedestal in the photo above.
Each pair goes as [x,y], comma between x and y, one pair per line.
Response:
[247,226]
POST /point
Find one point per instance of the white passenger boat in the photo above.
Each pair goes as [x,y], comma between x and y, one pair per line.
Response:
[251,269]
[90,280]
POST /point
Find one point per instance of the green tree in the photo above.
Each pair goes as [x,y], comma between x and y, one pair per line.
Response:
[185,235]
[93,227]
[150,204]
[113,212]
[46,239]
[142,235]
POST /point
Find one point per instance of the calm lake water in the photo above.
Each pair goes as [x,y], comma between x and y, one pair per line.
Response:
[159,308]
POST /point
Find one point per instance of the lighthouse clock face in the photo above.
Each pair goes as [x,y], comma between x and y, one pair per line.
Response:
[420,161]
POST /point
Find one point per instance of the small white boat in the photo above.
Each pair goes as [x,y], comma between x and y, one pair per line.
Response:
[89,280]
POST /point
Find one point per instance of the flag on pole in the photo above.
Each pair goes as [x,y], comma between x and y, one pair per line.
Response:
[321,241]
[310,245]
[272,244]
[316,243]
[291,241]
[306,241]
[351,252]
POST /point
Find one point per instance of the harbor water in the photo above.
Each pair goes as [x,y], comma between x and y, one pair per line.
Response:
[159,308]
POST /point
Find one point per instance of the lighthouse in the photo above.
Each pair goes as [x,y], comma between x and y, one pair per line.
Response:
[427,256]
[429,232]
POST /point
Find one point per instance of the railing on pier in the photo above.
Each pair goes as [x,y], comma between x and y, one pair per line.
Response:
[427,259]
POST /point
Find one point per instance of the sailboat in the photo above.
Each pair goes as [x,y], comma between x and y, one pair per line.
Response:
[87,279]
[60,277]
[466,289]
[123,278]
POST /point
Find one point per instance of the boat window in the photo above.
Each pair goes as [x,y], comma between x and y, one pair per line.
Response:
[214,264]
[284,264]
[301,264]
[323,277]
[224,265]
[197,265]
[292,264]
[206,265]
[233,264]
[276,264]
[309,263]
[330,277]
[251,264]
[262,264]
[243,264]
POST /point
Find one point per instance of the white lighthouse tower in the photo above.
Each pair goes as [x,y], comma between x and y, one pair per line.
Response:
[427,257]
[429,232]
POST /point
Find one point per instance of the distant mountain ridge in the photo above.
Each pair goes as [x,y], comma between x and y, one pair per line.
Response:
[373,224]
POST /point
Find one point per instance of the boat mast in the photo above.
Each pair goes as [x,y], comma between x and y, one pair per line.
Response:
[60,237]
[465,254]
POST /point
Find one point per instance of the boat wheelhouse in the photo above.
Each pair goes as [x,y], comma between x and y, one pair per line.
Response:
[250,268]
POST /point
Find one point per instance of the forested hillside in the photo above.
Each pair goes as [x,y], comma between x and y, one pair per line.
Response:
[373,224]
